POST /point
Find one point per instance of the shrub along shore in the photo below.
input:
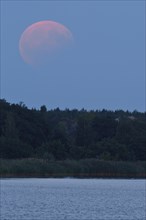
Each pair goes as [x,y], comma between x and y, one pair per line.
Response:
[86,168]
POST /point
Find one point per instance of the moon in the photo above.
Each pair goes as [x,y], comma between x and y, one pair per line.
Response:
[43,40]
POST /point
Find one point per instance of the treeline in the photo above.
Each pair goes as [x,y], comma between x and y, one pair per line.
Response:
[71,134]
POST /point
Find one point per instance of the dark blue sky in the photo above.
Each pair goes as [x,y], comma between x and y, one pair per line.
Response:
[104,69]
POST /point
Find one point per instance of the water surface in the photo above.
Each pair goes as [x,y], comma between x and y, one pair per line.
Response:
[72,199]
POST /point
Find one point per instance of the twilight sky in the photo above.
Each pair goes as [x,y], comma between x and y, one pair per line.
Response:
[104,68]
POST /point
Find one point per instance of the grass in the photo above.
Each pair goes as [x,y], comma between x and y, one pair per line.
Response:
[87,168]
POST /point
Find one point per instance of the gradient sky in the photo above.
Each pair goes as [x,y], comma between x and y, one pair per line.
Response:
[105,68]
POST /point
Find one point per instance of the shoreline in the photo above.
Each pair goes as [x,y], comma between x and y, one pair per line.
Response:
[87,168]
[71,177]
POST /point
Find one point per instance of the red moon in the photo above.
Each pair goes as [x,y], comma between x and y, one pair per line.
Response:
[42,40]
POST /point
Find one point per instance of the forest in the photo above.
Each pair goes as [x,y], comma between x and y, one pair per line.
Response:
[59,135]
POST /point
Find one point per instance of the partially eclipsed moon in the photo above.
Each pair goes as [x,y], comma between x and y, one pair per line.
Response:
[41,40]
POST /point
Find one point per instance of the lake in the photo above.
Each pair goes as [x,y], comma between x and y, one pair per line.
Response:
[72,199]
